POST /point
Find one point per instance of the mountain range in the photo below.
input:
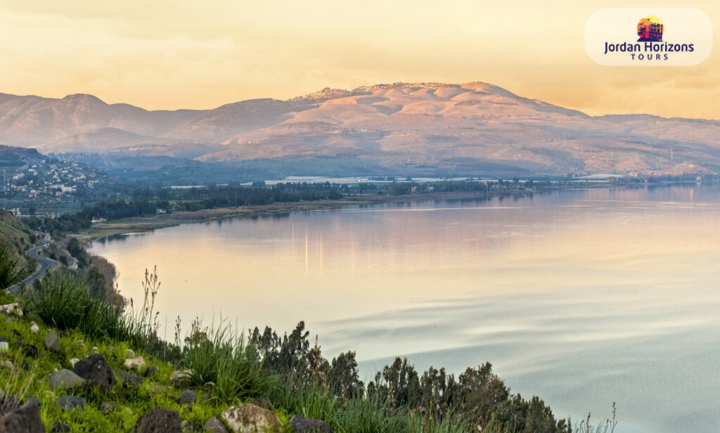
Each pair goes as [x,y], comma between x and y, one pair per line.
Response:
[423,128]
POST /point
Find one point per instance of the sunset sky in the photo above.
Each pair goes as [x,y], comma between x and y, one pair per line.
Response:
[168,54]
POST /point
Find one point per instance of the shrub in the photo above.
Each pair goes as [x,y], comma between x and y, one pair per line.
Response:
[220,359]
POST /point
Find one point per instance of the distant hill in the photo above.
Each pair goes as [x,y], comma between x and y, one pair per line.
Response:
[422,128]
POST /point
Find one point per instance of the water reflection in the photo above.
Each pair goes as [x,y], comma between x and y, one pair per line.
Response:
[584,297]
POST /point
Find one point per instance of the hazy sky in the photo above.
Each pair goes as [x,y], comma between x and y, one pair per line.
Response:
[167,54]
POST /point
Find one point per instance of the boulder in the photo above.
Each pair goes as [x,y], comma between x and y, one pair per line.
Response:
[52,343]
[159,421]
[299,424]
[135,363]
[249,418]
[214,425]
[97,372]
[12,309]
[64,379]
[69,402]
[187,397]
[25,419]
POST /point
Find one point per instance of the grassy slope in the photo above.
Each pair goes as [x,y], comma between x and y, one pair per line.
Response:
[131,401]
[15,235]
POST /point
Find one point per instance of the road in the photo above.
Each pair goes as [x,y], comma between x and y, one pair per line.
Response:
[46,265]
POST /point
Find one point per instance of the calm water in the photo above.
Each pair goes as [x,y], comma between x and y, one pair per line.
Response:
[581,297]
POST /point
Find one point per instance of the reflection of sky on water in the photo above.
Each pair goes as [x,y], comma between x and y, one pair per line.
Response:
[581,297]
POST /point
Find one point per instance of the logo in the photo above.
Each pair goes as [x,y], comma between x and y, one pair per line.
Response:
[650,29]
[683,38]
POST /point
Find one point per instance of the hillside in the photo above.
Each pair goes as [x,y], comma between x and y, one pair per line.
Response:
[422,128]
[17,237]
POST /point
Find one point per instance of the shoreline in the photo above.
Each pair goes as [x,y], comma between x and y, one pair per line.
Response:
[160,221]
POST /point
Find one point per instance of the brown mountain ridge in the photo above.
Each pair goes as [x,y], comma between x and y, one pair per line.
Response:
[414,128]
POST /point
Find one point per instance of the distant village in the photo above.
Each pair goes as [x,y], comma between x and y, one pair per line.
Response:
[43,182]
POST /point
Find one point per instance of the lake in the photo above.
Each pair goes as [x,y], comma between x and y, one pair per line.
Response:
[583,297]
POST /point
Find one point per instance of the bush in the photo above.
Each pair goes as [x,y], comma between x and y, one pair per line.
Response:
[10,272]
[220,359]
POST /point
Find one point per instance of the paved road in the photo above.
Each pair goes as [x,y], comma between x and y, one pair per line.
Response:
[46,265]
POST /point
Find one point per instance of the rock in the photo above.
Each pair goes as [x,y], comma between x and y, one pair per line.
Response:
[97,372]
[159,421]
[31,351]
[69,402]
[214,425]
[299,424]
[107,407]
[4,346]
[65,379]
[33,400]
[129,353]
[74,361]
[8,364]
[181,378]
[25,419]
[134,363]
[12,309]
[59,427]
[34,328]
[187,397]
[128,379]
[95,351]
[263,402]
[151,371]
[80,343]
[52,343]
[249,418]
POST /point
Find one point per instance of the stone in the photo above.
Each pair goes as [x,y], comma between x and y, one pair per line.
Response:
[107,407]
[160,388]
[64,379]
[181,378]
[52,343]
[25,419]
[249,418]
[34,401]
[187,397]
[159,421]
[134,363]
[4,346]
[70,402]
[299,424]
[214,425]
[74,361]
[31,351]
[151,371]
[8,364]
[97,372]
[128,379]
[95,351]
[34,328]
[12,309]
[129,353]
[80,343]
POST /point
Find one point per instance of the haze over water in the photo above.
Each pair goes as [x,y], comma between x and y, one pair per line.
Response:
[581,297]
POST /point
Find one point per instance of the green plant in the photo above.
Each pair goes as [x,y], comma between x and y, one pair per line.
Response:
[10,272]
[220,359]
